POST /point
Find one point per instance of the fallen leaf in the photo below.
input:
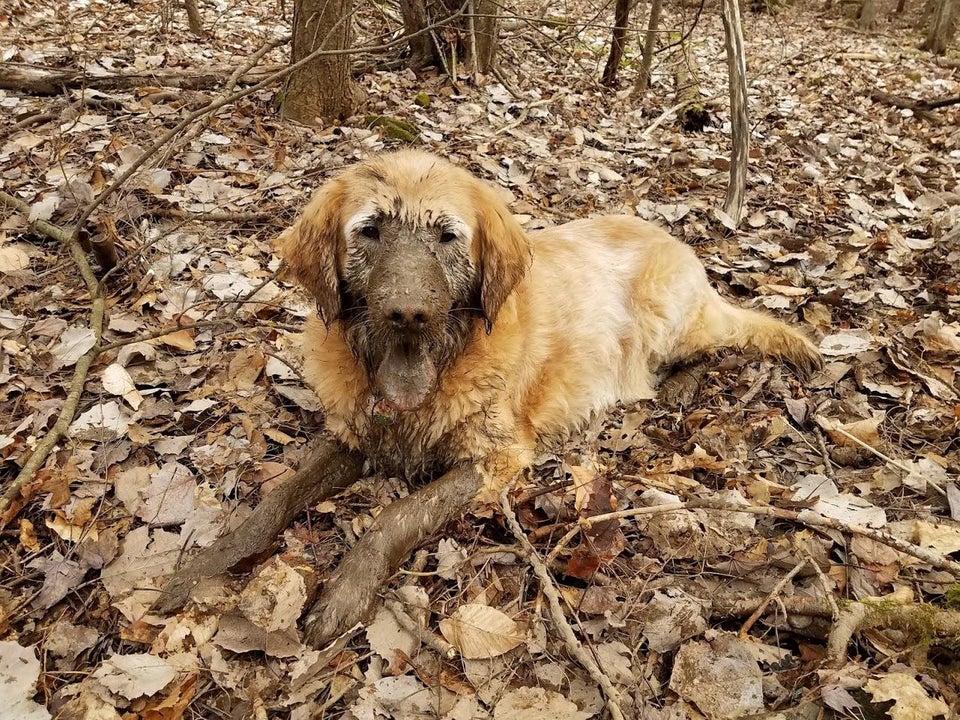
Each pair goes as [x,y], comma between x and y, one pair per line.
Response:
[135,675]
[19,672]
[480,631]
[911,701]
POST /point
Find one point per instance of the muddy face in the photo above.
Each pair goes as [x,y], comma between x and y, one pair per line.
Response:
[409,301]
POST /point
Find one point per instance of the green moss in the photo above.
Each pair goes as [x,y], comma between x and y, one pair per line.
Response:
[394,127]
[952,597]
[422,99]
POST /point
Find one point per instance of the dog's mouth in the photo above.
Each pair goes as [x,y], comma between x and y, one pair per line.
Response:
[406,376]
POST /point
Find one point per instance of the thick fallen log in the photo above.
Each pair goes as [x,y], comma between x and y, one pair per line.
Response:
[38,80]
[350,594]
[329,470]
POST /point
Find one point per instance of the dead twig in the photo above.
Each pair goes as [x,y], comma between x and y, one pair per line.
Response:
[13,496]
[574,646]
[777,589]
[934,559]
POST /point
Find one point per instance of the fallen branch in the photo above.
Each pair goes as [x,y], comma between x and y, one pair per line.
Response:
[547,587]
[350,593]
[39,80]
[329,470]
[13,497]
[911,104]
[932,558]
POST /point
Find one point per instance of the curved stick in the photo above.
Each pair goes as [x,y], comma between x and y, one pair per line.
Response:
[329,469]
[350,593]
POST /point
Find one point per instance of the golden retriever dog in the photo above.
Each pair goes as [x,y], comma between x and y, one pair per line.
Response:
[445,333]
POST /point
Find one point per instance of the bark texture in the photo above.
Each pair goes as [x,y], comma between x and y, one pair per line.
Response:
[323,88]
[649,45]
[617,42]
[940,29]
[415,18]
[193,18]
[739,122]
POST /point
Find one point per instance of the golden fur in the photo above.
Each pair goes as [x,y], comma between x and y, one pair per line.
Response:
[602,306]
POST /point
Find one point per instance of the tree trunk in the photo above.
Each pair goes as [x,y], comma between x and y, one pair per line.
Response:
[739,123]
[691,113]
[649,45]
[415,19]
[485,37]
[867,16]
[324,86]
[621,18]
[940,28]
[193,18]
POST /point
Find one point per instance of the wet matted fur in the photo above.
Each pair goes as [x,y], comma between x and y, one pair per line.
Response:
[445,333]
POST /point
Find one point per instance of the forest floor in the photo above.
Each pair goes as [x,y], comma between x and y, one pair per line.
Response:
[851,230]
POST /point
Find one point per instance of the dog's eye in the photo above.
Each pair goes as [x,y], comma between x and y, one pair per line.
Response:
[448,236]
[370,232]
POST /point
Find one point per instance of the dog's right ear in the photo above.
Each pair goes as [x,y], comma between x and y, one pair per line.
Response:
[314,246]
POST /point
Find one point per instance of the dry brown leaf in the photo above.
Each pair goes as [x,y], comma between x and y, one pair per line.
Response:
[480,631]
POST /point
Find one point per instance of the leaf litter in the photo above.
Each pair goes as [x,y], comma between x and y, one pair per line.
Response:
[850,229]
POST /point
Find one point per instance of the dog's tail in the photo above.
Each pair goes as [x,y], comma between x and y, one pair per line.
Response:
[725,325]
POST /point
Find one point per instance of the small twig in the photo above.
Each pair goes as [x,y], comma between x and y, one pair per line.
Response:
[777,589]
[178,214]
[824,453]
[574,646]
[826,585]
[809,519]
[431,640]
[886,458]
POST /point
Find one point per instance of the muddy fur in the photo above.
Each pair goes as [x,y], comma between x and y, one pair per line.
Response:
[446,334]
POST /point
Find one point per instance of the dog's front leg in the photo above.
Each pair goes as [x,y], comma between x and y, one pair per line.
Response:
[349,595]
[329,469]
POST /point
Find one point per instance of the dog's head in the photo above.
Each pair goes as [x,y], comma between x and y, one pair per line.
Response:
[408,252]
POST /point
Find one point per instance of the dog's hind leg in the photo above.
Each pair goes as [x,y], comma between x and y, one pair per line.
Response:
[721,324]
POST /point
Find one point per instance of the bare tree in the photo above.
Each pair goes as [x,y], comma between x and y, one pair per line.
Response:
[739,122]
[649,45]
[941,27]
[324,86]
[620,20]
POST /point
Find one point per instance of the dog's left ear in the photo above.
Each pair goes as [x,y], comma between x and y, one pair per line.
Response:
[314,245]
[504,250]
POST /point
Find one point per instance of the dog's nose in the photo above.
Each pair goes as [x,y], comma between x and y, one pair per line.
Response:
[407,316]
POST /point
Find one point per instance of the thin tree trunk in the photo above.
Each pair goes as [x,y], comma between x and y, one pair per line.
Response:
[649,45]
[324,87]
[415,19]
[486,35]
[739,123]
[620,20]
[939,30]
[691,113]
[867,16]
[193,18]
